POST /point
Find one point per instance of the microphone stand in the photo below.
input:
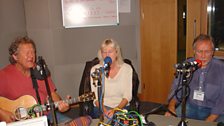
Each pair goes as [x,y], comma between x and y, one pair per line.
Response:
[100,93]
[99,75]
[183,82]
[51,103]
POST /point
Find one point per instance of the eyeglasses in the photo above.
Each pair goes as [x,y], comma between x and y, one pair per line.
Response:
[108,52]
[206,52]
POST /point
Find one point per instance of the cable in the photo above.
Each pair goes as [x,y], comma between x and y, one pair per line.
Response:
[122,117]
[180,87]
[34,110]
[137,115]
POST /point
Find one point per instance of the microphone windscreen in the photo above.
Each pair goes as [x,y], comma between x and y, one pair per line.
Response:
[199,62]
[38,73]
[41,70]
[108,60]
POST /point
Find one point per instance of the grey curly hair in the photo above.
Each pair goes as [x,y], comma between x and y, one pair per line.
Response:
[13,48]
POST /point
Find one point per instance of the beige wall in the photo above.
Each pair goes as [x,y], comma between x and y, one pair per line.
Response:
[67,50]
[12,24]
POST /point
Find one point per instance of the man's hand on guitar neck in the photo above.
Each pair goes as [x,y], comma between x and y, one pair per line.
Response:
[6,116]
[63,107]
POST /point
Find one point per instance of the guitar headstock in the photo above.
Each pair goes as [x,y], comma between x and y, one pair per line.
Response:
[87,97]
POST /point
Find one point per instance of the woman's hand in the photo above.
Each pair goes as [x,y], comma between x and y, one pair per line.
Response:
[109,113]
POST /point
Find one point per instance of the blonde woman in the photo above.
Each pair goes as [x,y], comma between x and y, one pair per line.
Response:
[118,84]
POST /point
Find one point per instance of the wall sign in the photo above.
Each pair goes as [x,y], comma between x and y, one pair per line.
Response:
[87,13]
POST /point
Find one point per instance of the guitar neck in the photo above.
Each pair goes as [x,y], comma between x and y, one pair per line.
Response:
[46,107]
[83,98]
[69,101]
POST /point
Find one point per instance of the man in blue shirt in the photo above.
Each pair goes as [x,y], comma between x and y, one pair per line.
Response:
[206,98]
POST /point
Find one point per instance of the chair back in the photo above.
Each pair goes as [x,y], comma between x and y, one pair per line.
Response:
[86,108]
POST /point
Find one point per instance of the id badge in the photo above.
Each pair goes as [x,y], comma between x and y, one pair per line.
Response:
[198,95]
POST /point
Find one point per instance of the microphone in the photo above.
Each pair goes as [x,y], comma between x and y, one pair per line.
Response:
[106,66]
[40,68]
[107,62]
[193,65]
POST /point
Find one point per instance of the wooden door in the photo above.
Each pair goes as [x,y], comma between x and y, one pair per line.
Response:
[196,22]
[158,48]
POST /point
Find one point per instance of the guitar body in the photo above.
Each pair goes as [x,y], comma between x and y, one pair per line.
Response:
[23,104]
[25,101]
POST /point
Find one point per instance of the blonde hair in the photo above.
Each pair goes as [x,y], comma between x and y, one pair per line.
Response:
[112,43]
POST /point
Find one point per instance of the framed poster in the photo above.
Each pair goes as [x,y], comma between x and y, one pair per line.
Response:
[87,13]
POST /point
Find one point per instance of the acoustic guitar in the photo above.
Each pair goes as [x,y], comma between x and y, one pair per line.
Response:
[25,106]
